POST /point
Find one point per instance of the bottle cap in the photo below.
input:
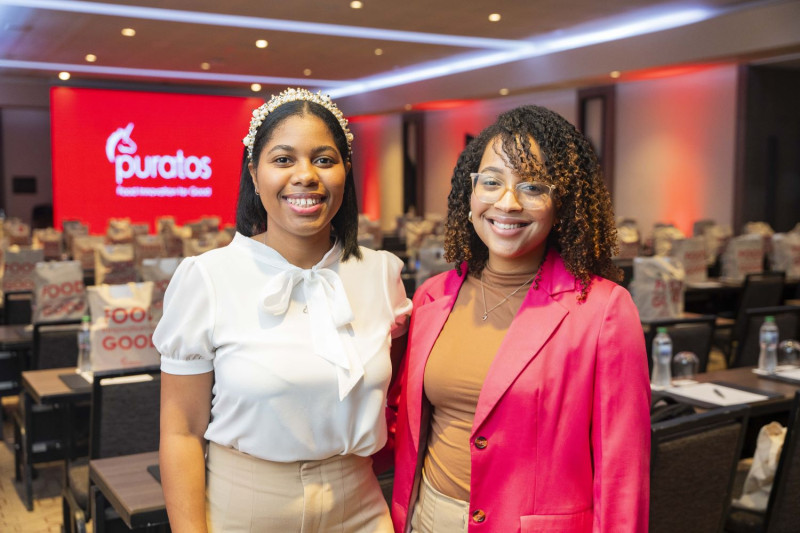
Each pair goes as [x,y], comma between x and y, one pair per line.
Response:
[661,329]
[86,318]
[769,318]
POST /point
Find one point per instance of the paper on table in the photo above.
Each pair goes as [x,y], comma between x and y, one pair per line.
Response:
[716,394]
[787,372]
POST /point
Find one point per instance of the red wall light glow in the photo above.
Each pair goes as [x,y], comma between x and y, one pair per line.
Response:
[142,155]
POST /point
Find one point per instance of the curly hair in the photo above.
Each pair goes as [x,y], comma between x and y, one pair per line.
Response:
[585,234]
[251,217]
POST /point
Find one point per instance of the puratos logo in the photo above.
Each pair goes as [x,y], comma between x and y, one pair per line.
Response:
[121,151]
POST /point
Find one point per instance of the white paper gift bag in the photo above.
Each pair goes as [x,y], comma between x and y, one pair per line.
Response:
[51,241]
[19,264]
[743,255]
[692,255]
[113,264]
[160,272]
[83,249]
[121,331]
[148,247]
[758,483]
[786,253]
[59,293]
[657,287]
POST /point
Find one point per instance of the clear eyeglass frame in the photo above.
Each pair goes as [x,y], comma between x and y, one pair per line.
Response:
[530,194]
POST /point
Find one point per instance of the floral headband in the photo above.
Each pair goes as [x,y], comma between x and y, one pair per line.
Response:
[293,95]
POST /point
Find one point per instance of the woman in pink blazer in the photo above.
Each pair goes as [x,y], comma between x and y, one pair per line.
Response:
[525,396]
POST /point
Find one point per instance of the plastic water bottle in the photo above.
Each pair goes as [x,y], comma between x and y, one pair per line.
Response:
[768,340]
[84,347]
[662,359]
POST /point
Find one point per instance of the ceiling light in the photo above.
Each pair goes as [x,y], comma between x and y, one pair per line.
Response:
[261,43]
[503,91]
[128,32]
[307,72]
[91,58]
[379,51]
[615,74]
[355,4]
[494,17]
[64,76]
[255,87]
[205,65]
[408,107]
[168,74]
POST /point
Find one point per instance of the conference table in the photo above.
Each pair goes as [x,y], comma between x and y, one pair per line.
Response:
[129,484]
[45,387]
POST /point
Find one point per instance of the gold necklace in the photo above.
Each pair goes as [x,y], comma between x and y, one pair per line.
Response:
[515,291]
[537,276]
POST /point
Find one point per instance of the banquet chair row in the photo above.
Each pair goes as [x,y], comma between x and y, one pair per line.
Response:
[746,346]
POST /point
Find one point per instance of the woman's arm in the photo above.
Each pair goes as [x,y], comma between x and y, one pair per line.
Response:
[185,412]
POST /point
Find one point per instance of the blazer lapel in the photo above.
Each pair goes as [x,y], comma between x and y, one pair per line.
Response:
[429,319]
[532,327]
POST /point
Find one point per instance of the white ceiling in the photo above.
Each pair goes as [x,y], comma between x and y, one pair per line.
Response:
[40,37]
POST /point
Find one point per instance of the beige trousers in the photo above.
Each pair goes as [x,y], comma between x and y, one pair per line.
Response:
[246,494]
[436,513]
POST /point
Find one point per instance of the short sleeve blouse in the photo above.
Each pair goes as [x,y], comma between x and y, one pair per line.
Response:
[296,377]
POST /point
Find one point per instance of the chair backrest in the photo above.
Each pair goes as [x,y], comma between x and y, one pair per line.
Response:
[783,508]
[759,290]
[55,344]
[125,412]
[787,317]
[693,334]
[692,468]
[17,307]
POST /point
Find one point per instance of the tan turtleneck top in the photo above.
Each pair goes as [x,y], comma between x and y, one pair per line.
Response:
[456,369]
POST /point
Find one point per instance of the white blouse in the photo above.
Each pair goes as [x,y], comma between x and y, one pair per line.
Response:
[300,356]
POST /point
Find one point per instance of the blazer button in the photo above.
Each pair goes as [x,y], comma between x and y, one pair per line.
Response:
[478,516]
[481,443]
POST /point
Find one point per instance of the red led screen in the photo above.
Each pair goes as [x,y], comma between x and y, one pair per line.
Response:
[141,155]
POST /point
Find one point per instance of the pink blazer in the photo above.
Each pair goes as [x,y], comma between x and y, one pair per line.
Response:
[563,413]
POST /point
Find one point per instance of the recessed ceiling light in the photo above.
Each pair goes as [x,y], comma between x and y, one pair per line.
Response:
[379,51]
[355,4]
[261,43]
[494,17]
[205,65]
[91,58]
[255,87]
[128,32]
[503,91]
[615,74]
[307,72]
[64,76]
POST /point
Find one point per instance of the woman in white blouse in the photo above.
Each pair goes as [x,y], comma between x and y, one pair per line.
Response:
[275,348]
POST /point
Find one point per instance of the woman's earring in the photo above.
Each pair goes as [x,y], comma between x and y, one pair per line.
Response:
[469,216]
[257,194]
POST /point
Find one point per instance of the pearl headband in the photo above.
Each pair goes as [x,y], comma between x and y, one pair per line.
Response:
[293,95]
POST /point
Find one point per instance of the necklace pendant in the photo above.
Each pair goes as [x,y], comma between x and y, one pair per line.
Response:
[485,316]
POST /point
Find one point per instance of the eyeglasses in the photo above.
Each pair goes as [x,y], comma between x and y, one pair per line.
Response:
[490,189]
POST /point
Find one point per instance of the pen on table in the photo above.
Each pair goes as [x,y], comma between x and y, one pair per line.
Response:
[718,392]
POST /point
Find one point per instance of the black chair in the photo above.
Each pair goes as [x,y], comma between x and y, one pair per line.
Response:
[692,468]
[746,346]
[17,307]
[693,334]
[125,420]
[783,507]
[55,344]
[759,290]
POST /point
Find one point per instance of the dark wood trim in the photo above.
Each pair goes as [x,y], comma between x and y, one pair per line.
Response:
[607,95]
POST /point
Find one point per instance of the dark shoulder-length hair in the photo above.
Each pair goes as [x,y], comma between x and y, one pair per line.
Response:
[251,217]
[584,235]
